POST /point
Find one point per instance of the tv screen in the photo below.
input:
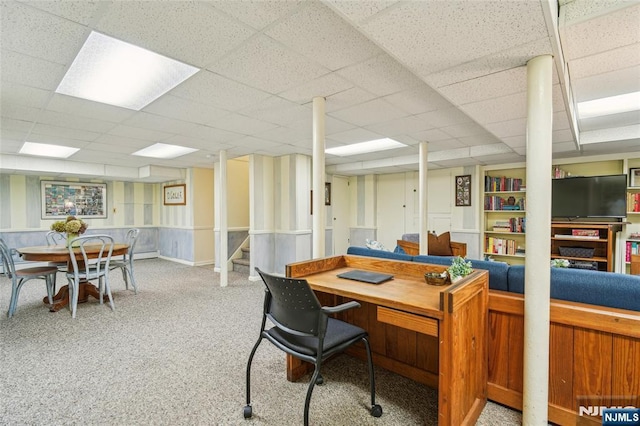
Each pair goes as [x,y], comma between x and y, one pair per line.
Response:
[593,196]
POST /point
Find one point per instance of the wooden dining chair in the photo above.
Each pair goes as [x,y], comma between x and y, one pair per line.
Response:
[90,256]
[20,276]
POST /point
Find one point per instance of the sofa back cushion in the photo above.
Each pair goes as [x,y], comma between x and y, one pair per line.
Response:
[364,251]
[498,273]
[593,287]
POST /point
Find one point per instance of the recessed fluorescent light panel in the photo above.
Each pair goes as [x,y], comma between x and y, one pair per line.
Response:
[365,147]
[46,150]
[161,150]
[611,105]
[117,73]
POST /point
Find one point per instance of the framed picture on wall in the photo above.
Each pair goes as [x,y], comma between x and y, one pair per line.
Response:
[463,190]
[327,194]
[79,199]
[175,195]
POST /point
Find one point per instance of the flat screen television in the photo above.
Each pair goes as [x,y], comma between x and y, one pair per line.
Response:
[590,196]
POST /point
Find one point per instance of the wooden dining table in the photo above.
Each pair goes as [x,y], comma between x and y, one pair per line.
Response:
[61,254]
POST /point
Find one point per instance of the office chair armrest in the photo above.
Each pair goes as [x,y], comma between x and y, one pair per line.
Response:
[340,308]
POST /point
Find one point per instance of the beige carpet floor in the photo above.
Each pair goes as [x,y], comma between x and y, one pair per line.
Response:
[175,354]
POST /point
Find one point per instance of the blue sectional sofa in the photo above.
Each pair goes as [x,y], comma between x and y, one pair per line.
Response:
[592,287]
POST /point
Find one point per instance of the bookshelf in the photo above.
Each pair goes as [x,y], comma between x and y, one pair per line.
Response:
[504,215]
[631,231]
[585,243]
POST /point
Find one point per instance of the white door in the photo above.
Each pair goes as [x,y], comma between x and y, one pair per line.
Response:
[340,214]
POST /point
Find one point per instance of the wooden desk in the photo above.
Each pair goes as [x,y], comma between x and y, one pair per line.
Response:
[434,335]
[61,254]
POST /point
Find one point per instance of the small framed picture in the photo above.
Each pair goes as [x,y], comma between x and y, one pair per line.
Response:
[634,177]
[175,195]
[327,193]
[463,190]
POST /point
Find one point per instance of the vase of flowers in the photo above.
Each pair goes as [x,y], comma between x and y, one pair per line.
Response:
[72,226]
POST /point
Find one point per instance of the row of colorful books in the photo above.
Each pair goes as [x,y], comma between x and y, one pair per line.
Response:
[632,247]
[633,202]
[501,246]
[494,184]
[494,202]
[513,224]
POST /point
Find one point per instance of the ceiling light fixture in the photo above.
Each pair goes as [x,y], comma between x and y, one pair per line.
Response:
[47,150]
[365,147]
[113,72]
[611,105]
[162,150]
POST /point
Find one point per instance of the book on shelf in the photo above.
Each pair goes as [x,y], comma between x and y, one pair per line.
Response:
[495,203]
[577,237]
[632,247]
[502,183]
[513,224]
[496,245]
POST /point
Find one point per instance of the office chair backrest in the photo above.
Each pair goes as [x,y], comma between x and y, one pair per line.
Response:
[292,305]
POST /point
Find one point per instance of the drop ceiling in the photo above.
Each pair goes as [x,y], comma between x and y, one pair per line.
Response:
[450,73]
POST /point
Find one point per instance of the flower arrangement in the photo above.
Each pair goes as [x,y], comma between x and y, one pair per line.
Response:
[459,268]
[71,225]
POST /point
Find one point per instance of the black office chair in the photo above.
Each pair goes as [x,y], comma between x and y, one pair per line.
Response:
[303,328]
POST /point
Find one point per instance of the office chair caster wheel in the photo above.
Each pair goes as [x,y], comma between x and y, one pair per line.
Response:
[247,412]
[376,410]
[319,380]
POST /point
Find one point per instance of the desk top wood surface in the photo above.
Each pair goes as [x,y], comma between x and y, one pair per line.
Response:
[61,253]
[407,291]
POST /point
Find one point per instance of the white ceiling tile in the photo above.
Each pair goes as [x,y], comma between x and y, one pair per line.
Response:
[370,112]
[489,26]
[318,33]
[257,13]
[39,34]
[610,121]
[563,147]
[265,64]
[431,135]
[277,110]
[17,94]
[605,62]
[75,122]
[512,157]
[361,10]
[20,112]
[444,117]
[30,71]
[188,31]
[381,75]
[485,138]
[562,136]
[610,31]
[353,136]
[185,110]
[631,132]
[503,129]
[347,98]
[417,100]
[212,89]
[21,126]
[78,11]
[613,83]
[211,133]
[242,124]
[119,148]
[10,145]
[285,134]
[515,141]
[325,86]
[499,61]
[138,133]
[84,108]
[493,149]
[150,121]
[464,130]
[402,125]
[62,132]
[560,120]
[490,86]
[132,144]
[443,145]
[498,109]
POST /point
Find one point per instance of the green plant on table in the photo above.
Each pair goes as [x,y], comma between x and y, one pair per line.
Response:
[459,268]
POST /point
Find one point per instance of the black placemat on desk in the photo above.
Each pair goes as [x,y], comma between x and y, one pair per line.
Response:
[366,276]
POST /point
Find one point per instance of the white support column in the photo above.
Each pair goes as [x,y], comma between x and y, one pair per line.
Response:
[537,269]
[423,208]
[224,227]
[319,211]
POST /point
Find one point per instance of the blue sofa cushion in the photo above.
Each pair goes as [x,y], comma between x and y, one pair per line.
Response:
[593,287]
[364,251]
[435,260]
